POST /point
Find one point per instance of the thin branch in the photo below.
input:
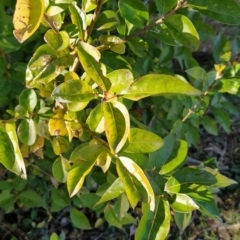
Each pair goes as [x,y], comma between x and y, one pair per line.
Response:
[191,110]
[180,4]
[94,19]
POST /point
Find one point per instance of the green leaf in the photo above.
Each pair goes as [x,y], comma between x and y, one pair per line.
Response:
[92,67]
[222,118]
[138,46]
[79,220]
[46,64]
[6,197]
[159,157]
[218,10]
[222,181]
[87,157]
[19,165]
[107,21]
[28,99]
[164,34]
[78,18]
[143,141]
[183,31]
[60,145]
[129,186]
[158,84]
[164,6]
[114,43]
[89,200]
[58,41]
[95,120]
[197,73]
[9,151]
[205,200]
[30,198]
[178,159]
[157,182]
[183,178]
[230,85]
[117,124]
[60,169]
[138,173]
[121,207]
[110,216]
[154,225]
[181,202]
[120,79]
[54,236]
[134,11]
[210,125]
[112,192]
[27,132]
[74,91]
[182,219]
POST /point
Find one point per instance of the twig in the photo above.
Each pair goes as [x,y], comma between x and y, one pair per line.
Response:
[180,4]
[191,110]
[94,19]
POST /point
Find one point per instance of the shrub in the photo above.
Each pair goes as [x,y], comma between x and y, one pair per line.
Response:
[104,117]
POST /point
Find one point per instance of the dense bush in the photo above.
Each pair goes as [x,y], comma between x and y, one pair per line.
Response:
[113,100]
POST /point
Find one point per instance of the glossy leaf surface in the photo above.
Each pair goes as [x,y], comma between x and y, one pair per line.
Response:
[159,228]
[74,91]
[158,84]
[117,124]
[142,141]
[138,173]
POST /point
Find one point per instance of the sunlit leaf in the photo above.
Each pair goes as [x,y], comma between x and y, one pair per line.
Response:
[27,18]
[159,228]
[60,169]
[183,31]
[87,157]
[112,192]
[19,165]
[178,160]
[219,11]
[74,91]
[138,173]
[181,202]
[92,68]
[129,186]
[158,84]
[183,178]
[117,124]
[134,11]
[28,99]
[142,141]
[27,132]
[78,18]
[58,41]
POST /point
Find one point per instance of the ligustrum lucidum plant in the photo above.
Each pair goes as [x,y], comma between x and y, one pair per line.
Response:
[104,117]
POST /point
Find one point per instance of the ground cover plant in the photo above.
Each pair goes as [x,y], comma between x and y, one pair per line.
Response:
[100,103]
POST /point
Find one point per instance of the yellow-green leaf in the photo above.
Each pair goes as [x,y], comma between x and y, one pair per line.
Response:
[117,124]
[27,18]
[143,141]
[27,132]
[128,182]
[92,67]
[158,84]
[138,173]
[154,225]
[74,91]
[87,156]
